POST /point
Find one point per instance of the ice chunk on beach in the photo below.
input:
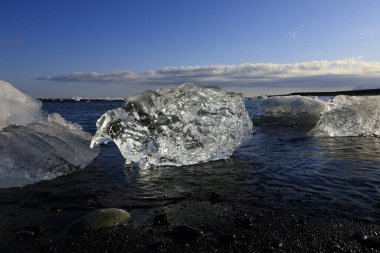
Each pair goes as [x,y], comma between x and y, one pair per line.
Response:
[180,126]
[17,108]
[350,116]
[288,110]
[38,146]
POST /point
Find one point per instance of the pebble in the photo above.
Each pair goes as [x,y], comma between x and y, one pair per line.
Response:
[103,218]
[160,219]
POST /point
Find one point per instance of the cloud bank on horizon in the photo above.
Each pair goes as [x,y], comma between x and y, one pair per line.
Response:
[353,72]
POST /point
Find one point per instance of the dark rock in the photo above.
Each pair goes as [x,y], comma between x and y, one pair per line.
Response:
[226,239]
[24,235]
[359,236]
[37,229]
[276,244]
[370,242]
[214,197]
[268,250]
[247,223]
[160,219]
[337,248]
[160,245]
[185,234]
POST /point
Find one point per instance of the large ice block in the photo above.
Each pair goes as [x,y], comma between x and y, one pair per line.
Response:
[180,126]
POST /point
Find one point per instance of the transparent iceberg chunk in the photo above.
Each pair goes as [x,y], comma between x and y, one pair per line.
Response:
[35,146]
[180,126]
[350,116]
[288,110]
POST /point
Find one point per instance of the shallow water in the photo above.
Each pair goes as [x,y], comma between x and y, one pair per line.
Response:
[280,167]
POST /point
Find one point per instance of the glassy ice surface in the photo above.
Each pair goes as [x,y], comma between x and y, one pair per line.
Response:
[34,145]
[350,116]
[180,126]
[287,110]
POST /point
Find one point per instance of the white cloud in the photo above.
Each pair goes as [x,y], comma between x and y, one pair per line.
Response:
[291,35]
[320,73]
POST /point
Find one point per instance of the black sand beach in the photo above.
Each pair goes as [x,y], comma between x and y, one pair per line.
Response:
[34,218]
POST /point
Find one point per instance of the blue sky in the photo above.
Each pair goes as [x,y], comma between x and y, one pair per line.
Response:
[51,48]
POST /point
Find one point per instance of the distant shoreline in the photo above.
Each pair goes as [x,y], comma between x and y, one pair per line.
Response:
[80,100]
[367,92]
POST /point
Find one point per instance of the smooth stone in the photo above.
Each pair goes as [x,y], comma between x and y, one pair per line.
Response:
[103,218]
[24,235]
[185,234]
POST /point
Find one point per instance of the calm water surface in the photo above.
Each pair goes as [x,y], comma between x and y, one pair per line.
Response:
[281,167]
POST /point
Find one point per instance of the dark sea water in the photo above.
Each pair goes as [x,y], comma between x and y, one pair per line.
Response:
[280,168]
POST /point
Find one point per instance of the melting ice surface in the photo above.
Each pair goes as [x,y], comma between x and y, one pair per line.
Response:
[343,116]
[180,126]
[287,110]
[350,116]
[35,146]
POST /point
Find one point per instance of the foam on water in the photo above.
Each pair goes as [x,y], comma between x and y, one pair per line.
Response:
[180,126]
[35,146]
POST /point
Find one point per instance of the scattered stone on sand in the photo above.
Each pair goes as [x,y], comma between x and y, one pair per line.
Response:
[368,241]
[103,218]
[276,244]
[247,222]
[185,234]
[160,245]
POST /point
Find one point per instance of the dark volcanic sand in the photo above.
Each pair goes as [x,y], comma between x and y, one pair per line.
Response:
[33,218]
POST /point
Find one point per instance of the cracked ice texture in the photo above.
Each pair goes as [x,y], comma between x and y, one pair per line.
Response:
[180,126]
[350,116]
[34,145]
